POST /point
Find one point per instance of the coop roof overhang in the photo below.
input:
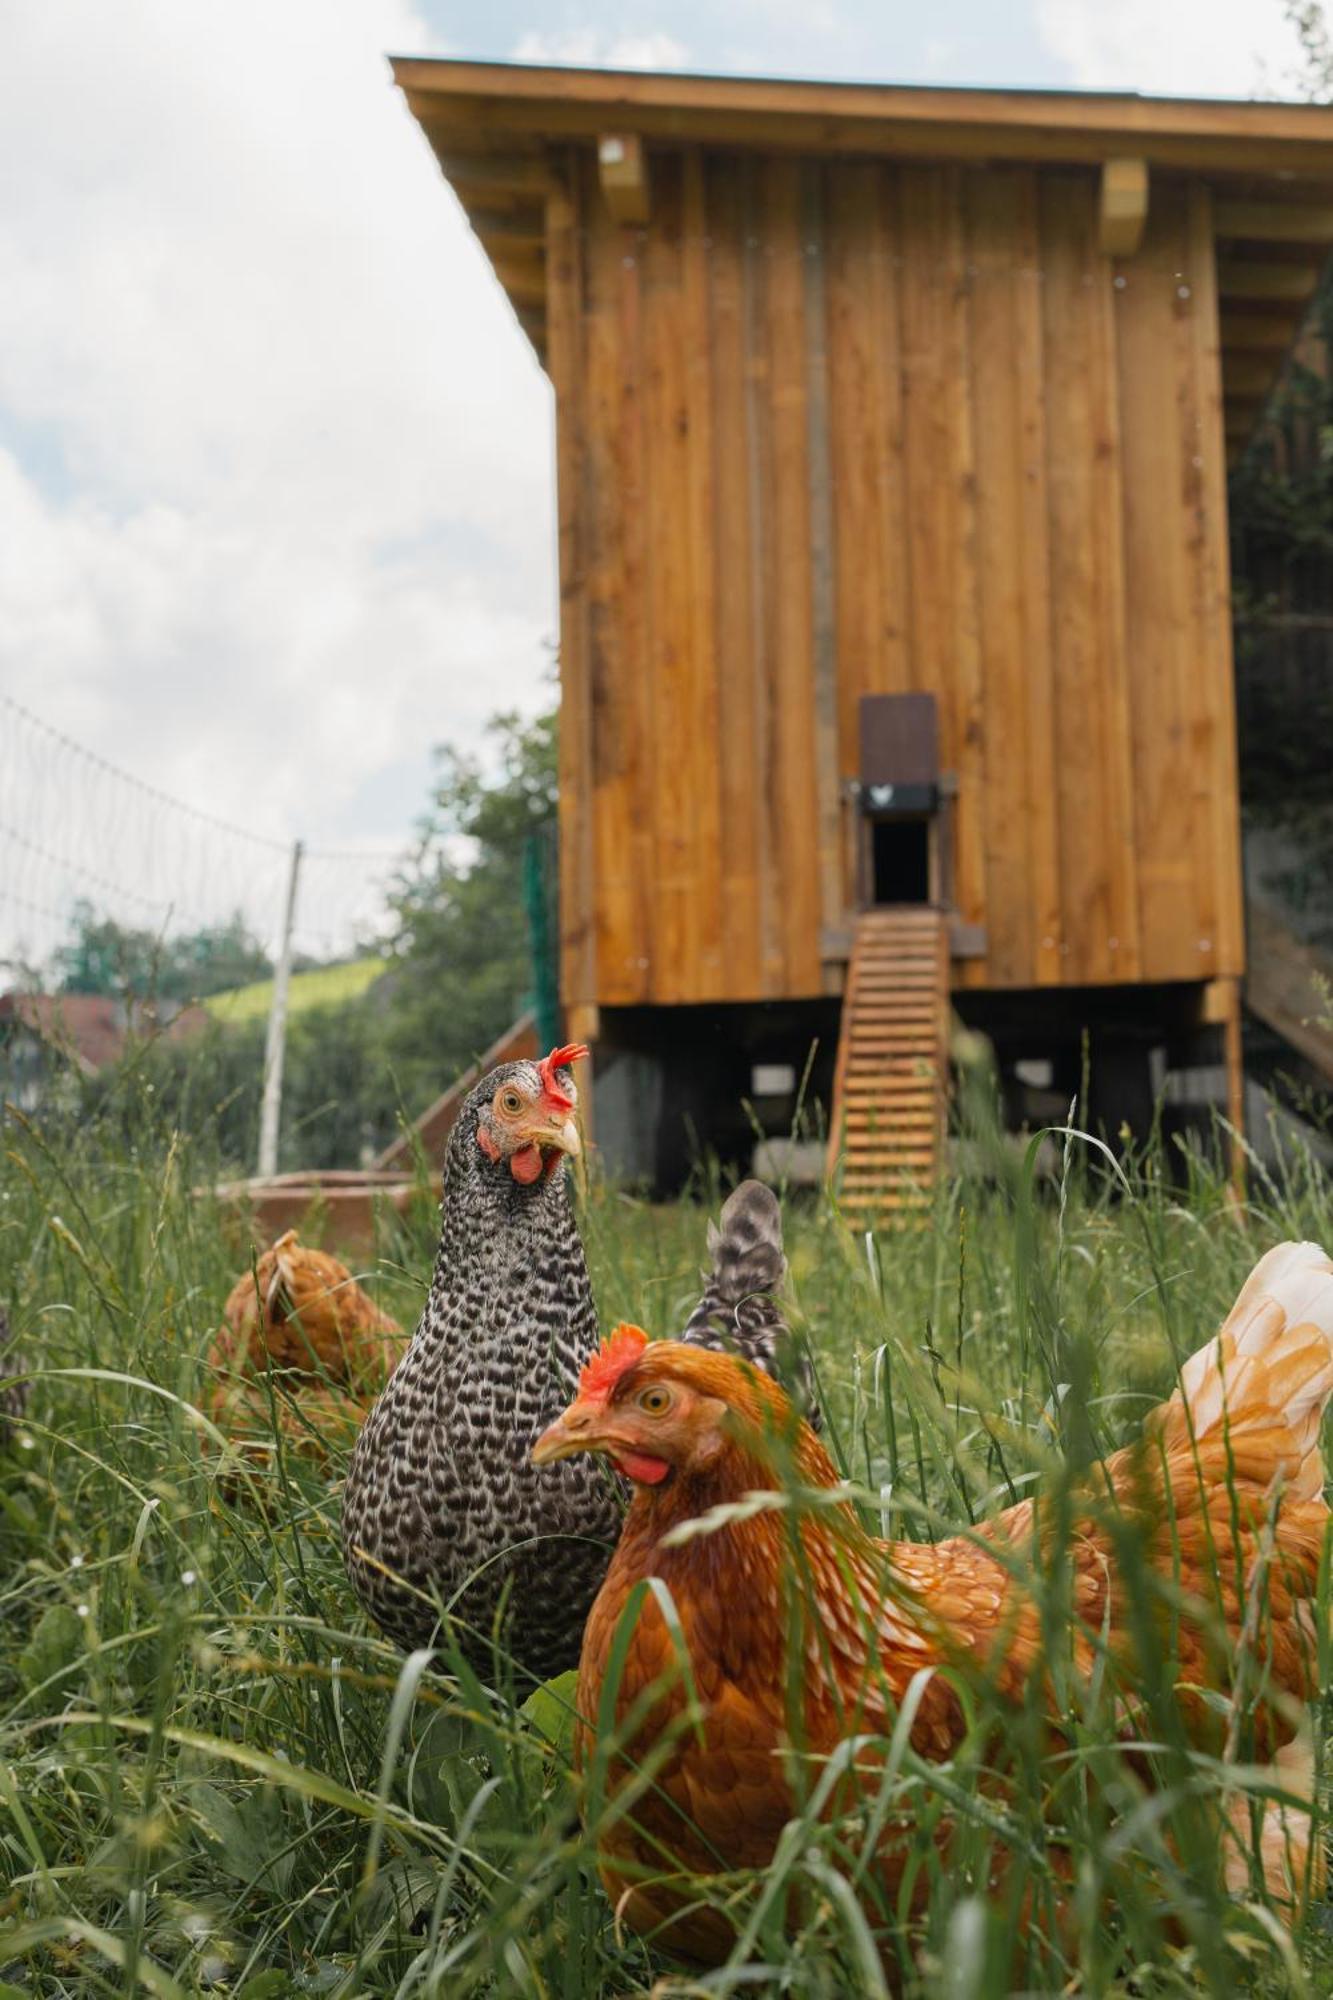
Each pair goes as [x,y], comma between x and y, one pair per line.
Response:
[498,130]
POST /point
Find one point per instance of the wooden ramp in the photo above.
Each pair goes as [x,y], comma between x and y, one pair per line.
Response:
[887,1132]
[1288,985]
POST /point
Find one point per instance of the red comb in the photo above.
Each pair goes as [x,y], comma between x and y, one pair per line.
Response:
[572,1052]
[614,1358]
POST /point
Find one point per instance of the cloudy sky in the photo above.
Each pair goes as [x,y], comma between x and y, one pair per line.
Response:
[276,507]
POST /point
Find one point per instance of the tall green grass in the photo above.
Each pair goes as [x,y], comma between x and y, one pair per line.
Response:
[214,1778]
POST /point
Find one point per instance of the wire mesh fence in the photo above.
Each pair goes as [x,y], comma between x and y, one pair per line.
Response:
[76,830]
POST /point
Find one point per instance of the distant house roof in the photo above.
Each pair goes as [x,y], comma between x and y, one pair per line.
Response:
[92,1028]
[499,129]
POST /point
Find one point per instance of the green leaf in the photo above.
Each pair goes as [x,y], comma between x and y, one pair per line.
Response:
[551,1709]
[225,1828]
[55,1644]
[547,1748]
[250,1837]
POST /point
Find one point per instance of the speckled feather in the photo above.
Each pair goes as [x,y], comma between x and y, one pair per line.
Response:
[868,1615]
[13,1392]
[440,1484]
[739,1311]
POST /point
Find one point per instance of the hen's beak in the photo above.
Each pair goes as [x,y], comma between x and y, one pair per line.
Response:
[573,1432]
[555,1132]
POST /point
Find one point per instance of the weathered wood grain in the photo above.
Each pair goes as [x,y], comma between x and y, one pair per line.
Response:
[743,862]
[794,774]
[859,427]
[672,808]
[578,888]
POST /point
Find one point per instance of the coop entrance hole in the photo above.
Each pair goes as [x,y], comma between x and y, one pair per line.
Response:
[900,857]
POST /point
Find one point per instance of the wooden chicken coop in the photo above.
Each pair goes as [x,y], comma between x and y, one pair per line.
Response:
[893,429]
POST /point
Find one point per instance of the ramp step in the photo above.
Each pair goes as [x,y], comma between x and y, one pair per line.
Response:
[888,1100]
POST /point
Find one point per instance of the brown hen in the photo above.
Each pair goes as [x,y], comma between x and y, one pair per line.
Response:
[303,1343]
[803,1630]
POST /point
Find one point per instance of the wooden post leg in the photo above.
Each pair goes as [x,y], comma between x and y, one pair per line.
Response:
[581,1025]
[1231,1040]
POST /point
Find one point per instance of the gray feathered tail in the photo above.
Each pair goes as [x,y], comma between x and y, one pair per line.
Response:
[739,1312]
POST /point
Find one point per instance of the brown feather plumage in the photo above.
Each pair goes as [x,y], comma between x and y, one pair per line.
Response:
[301,1340]
[1226,1483]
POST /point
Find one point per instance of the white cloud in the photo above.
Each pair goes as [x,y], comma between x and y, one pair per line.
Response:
[939,56]
[278,491]
[1189,48]
[589,48]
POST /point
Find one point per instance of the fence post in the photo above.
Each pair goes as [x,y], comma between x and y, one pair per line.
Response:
[276,1041]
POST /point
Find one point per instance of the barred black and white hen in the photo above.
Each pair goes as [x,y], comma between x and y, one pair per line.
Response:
[739,1312]
[13,1381]
[442,1501]
[443,1505]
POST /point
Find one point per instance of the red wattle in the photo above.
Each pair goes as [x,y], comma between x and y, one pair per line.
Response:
[526,1164]
[638,1465]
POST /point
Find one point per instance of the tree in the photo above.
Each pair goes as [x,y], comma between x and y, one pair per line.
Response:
[103,956]
[459,967]
[461,959]
[1314,77]
[215,959]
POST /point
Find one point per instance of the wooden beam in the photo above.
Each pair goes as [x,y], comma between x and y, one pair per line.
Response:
[1124,206]
[1237,279]
[1242,425]
[622,170]
[1243,414]
[476,103]
[1274,221]
[523,277]
[1234,1056]
[583,1023]
[1248,375]
[1216,1002]
[1258,333]
[525,230]
[524,176]
[533,322]
[585,1084]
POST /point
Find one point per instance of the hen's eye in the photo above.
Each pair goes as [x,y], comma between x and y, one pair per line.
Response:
[511,1102]
[656,1400]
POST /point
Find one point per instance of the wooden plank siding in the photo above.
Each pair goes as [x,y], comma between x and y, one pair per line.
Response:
[1157,392]
[794,708]
[612,600]
[1215,723]
[580,955]
[832,428]
[1099,860]
[494,129]
[746,880]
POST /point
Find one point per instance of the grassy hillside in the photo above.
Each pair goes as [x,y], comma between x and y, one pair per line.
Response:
[214,1778]
[324,986]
